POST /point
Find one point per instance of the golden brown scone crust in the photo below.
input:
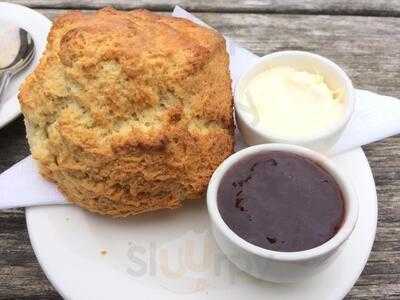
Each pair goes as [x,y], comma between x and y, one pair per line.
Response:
[129,112]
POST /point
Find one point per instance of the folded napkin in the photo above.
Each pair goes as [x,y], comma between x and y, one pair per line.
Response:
[375,117]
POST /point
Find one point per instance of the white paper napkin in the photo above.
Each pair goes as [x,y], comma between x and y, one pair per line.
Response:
[22,186]
[375,117]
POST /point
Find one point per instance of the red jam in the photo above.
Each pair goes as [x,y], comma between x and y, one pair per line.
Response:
[281,201]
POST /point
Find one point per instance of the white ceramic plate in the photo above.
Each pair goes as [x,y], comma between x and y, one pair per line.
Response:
[172,255]
[38,26]
[167,254]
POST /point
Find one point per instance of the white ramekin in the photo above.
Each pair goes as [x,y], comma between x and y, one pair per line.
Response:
[273,265]
[333,75]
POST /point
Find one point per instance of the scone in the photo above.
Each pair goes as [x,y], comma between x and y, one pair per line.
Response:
[129,112]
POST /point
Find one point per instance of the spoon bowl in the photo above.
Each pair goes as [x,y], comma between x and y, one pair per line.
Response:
[17,56]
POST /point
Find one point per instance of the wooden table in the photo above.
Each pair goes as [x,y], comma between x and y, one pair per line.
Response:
[362,36]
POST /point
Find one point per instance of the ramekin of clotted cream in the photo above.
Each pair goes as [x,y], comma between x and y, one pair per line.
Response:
[294,97]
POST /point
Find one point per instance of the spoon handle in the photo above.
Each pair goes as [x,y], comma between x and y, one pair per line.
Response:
[4,80]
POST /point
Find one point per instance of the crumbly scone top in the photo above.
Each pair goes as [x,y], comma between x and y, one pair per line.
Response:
[134,87]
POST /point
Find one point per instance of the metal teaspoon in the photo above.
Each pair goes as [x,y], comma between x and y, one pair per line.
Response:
[13,59]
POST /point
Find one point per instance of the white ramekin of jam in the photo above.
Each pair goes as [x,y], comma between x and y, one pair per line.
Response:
[280,212]
[294,97]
